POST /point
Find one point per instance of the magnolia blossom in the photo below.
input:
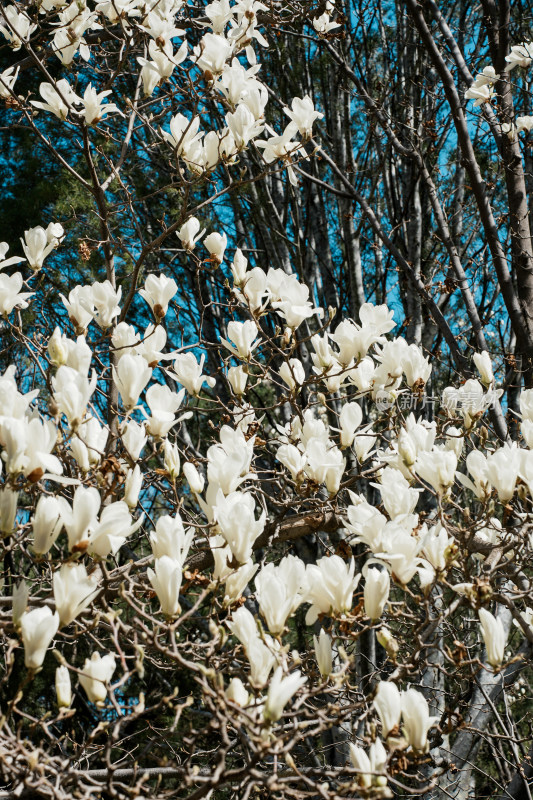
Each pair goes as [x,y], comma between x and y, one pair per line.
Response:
[260,652]
[8,509]
[503,467]
[132,486]
[330,587]
[94,107]
[189,373]
[242,337]
[80,518]
[158,292]
[238,378]
[97,672]
[20,598]
[80,307]
[323,653]
[59,98]
[74,590]
[134,438]
[190,233]
[521,55]
[416,719]
[437,468]
[163,404]
[8,79]
[280,691]
[494,636]
[17,26]
[484,367]
[113,528]
[302,115]
[368,765]
[280,590]
[166,581]
[63,687]
[46,524]
[376,592]
[235,518]
[236,692]
[171,458]
[170,538]
[194,479]
[387,702]
[131,377]
[38,628]
[10,295]
[105,299]
[38,244]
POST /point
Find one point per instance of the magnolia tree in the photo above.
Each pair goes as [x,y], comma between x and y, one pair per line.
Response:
[268,563]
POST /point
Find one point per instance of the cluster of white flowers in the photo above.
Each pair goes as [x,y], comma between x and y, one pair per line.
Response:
[333,427]
[482,90]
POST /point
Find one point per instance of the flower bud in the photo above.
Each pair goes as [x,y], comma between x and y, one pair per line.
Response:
[63,687]
[237,693]
[194,479]
[323,652]
[132,486]
[237,378]
[171,459]
[19,601]
[376,592]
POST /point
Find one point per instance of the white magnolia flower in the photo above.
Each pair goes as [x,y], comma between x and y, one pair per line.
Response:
[521,55]
[387,702]
[97,672]
[189,373]
[243,339]
[323,653]
[376,592]
[331,583]
[494,636]
[416,719]
[131,376]
[38,628]
[59,98]
[74,590]
[158,292]
[280,691]
[190,233]
[279,591]
[166,581]
[63,687]
[94,108]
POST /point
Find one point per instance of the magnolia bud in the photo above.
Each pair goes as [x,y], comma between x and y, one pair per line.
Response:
[8,510]
[494,636]
[216,245]
[171,459]
[237,693]
[406,448]
[63,687]
[132,486]
[194,479]
[323,652]
[57,349]
[237,378]
[388,642]
[376,593]
[19,601]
